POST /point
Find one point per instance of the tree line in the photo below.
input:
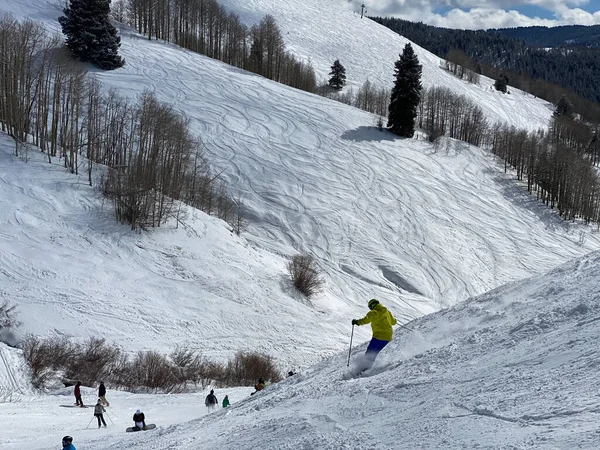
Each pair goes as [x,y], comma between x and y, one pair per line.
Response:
[558,165]
[150,161]
[205,27]
[441,112]
[181,370]
[561,36]
[547,74]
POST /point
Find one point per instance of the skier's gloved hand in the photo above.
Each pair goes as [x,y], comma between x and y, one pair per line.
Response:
[354,321]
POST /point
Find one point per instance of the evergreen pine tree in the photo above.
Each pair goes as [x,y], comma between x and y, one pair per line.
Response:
[501,84]
[564,107]
[406,94]
[338,75]
[89,34]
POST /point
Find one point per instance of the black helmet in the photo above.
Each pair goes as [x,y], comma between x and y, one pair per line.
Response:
[67,440]
[373,303]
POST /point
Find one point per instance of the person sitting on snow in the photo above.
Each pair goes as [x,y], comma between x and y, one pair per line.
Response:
[140,420]
[259,386]
[381,321]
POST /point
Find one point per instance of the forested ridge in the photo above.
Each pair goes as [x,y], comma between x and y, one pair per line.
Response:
[567,35]
[575,69]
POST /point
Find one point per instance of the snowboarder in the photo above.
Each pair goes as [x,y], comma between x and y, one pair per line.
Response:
[77,392]
[211,401]
[381,321]
[226,402]
[102,394]
[140,420]
[67,443]
[259,386]
[98,410]
[291,373]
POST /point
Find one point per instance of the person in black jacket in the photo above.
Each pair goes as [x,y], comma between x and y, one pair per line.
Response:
[102,394]
[139,420]
[211,401]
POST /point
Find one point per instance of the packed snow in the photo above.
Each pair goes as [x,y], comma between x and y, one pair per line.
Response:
[417,227]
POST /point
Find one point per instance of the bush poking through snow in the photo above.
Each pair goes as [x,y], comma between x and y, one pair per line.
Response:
[8,316]
[247,367]
[305,275]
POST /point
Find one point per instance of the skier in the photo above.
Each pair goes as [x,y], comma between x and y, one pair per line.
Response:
[140,420]
[381,321]
[67,443]
[211,401]
[259,386]
[77,392]
[98,410]
[102,394]
[226,402]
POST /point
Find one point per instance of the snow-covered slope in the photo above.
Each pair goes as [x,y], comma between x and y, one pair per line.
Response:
[386,217]
[325,30]
[72,270]
[513,368]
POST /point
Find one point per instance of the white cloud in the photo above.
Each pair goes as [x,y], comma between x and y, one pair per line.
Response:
[476,14]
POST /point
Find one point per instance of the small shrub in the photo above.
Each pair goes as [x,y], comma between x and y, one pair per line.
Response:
[92,361]
[434,134]
[8,316]
[304,273]
[247,367]
[46,357]
[152,370]
[189,366]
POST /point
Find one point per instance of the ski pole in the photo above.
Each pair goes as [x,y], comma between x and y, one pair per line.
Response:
[109,417]
[350,351]
[409,329]
[90,422]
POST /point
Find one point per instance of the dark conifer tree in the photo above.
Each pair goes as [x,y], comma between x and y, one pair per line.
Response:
[89,34]
[406,94]
[564,107]
[338,75]
[501,84]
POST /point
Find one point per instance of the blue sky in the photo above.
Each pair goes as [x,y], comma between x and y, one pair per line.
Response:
[475,14]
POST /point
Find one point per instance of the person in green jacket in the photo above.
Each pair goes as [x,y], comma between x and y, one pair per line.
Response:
[381,321]
[225,402]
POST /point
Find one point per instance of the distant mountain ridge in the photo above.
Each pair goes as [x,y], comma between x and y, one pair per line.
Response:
[567,35]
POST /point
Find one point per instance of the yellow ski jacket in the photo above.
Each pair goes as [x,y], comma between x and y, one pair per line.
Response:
[381,321]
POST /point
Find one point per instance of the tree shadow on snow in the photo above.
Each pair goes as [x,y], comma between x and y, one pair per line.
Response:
[362,134]
[518,195]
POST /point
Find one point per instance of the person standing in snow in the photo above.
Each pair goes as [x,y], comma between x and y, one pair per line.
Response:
[211,401]
[381,321]
[77,393]
[102,394]
[98,410]
[226,402]
[139,419]
[67,443]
